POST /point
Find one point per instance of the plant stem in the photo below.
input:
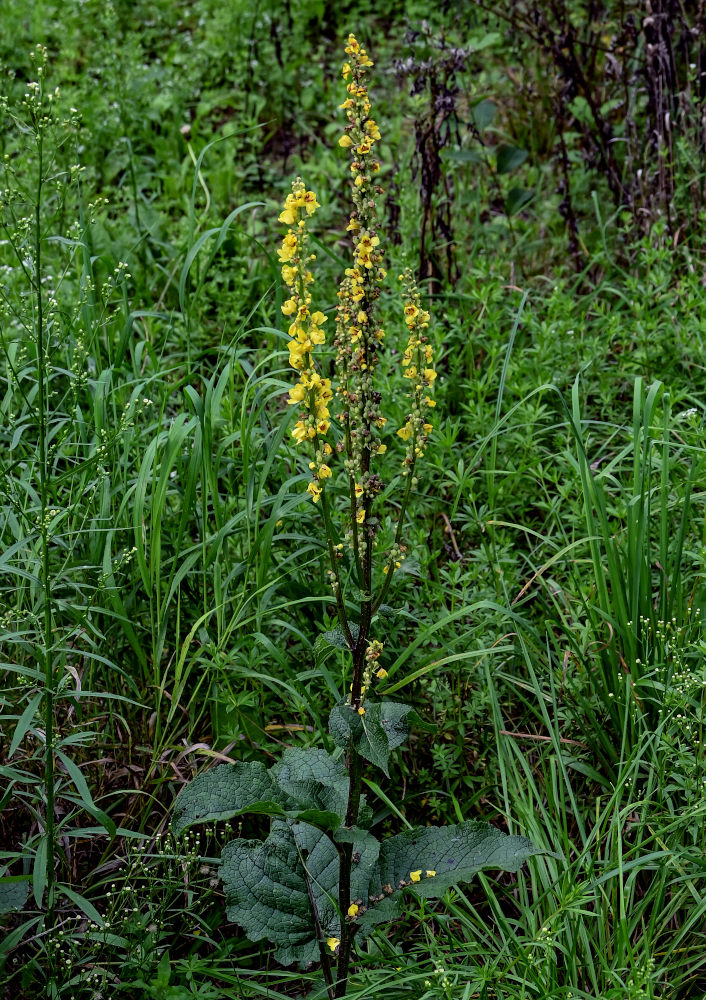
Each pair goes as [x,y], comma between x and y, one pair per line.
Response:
[354,523]
[355,773]
[398,534]
[325,961]
[44,533]
[334,569]
[355,761]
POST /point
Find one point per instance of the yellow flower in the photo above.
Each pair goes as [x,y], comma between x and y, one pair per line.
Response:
[297,394]
[381,449]
[360,516]
[332,943]
[381,674]
[288,216]
[346,72]
[416,876]
[428,428]
[361,711]
[368,241]
[364,258]
[405,432]
[358,490]
[429,401]
[297,350]
[289,307]
[310,203]
[429,375]
[300,432]
[289,275]
[430,873]
[315,491]
[324,472]
[353,910]
[345,141]
[289,247]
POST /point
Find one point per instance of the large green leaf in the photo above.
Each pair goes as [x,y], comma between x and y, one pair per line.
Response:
[269,885]
[316,782]
[384,727]
[227,791]
[453,853]
[306,785]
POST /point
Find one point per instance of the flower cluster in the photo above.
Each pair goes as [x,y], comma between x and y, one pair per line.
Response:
[358,332]
[417,361]
[312,392]
[372,655]
[417,876]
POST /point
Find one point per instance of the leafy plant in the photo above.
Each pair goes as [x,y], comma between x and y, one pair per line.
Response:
[52,479]
[321,879]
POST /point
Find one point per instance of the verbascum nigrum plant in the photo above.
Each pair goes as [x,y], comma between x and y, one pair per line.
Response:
[322,879]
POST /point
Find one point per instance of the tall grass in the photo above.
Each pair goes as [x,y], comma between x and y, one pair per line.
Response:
[157,599]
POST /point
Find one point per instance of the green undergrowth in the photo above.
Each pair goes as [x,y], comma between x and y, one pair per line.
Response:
[548,617]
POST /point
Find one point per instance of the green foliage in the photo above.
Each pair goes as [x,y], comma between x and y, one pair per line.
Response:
[285,889]
[305,785]
[554,578]
[381,729]
[13,894]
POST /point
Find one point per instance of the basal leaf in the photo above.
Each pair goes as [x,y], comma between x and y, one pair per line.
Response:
[453,853]
[306,785]
[267,893]
[227,791]
[269,884]
[315,781]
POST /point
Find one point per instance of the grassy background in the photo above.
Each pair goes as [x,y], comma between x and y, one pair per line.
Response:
[556,548]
